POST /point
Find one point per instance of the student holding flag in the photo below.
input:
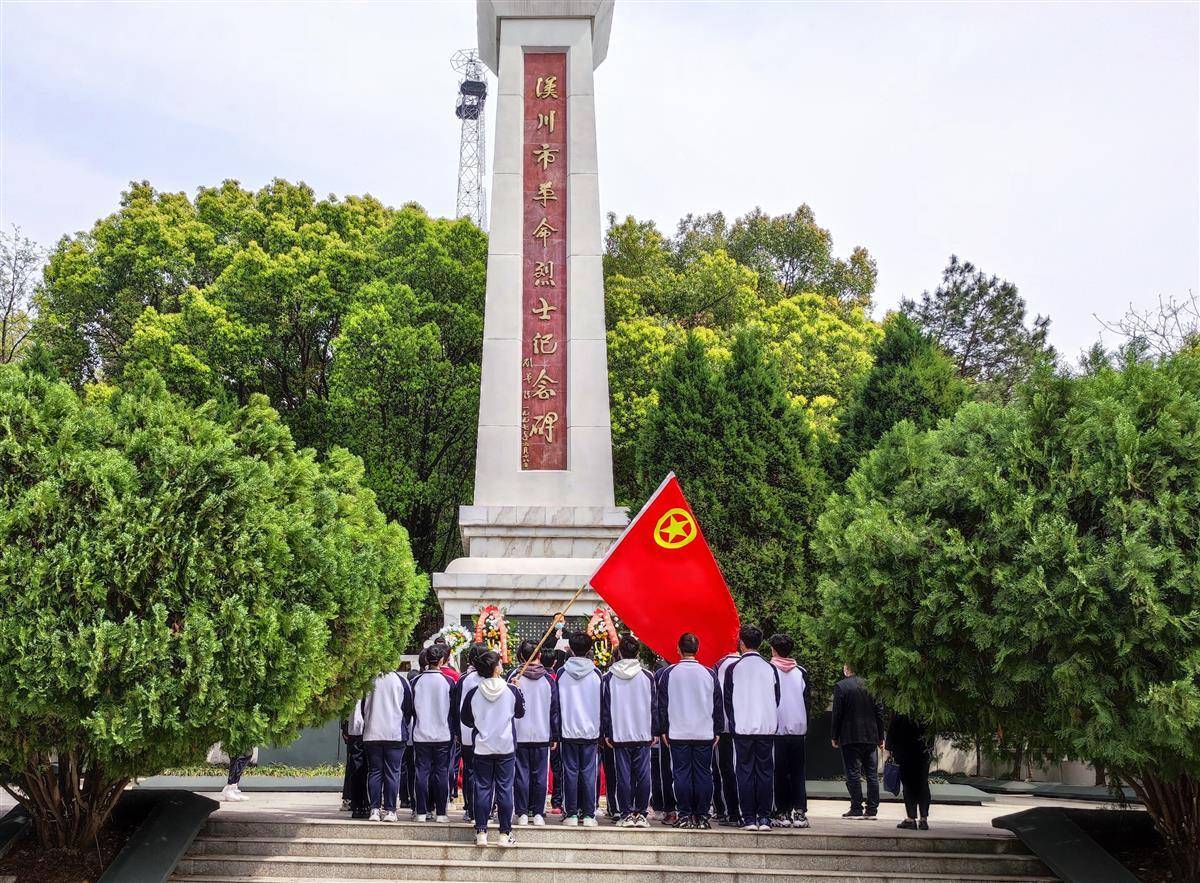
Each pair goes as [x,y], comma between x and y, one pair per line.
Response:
[537,731]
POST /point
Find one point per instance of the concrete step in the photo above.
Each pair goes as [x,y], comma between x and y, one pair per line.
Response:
[503,869]
[793,858]
[876,836]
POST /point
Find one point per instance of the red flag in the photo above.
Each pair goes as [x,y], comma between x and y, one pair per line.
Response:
[661,578]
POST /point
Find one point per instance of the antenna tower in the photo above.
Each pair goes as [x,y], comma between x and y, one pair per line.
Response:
[472,148]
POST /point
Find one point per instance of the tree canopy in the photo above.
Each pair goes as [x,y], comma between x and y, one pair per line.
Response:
[1031,570]
[174,577]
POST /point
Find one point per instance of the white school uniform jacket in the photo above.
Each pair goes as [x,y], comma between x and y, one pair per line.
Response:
[354,723]
[432,717]
[386,709]
[689,702]
[540,725]
[628,703]
[793,702]
[722,666]
[579,700]
[464,686]
[751,692]
[491,709]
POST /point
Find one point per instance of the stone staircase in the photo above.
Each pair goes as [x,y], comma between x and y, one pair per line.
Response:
[259,848]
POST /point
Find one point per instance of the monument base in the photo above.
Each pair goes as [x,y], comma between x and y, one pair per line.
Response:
[527,560]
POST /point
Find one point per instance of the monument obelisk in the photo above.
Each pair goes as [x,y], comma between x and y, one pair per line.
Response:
[544,512]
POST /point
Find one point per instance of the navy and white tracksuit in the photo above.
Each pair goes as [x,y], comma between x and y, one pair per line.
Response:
[628,712]
[432,729]
[579,710]
[690,716]
[751,691]
[725,790]
[386,725]
[535,731]
[791,793]
[491,710]
[462,687]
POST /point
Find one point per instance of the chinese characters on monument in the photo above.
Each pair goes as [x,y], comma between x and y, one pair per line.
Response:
[544,264]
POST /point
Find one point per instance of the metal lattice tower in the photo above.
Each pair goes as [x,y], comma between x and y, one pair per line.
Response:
[472,149]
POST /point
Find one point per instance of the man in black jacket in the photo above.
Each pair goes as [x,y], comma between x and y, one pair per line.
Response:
[858,731]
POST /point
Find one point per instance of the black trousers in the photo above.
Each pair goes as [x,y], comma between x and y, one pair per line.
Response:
[725,791]
[407,777]
[755,775]
[662,779]
[354,785]
[237,766]
[468,793]
[612,803]
[383,776]
[556,768]
[914,776]
[791,792]
[691,764]
[862,760]
[632,782]
[432,777]
[529,783]
[492,779]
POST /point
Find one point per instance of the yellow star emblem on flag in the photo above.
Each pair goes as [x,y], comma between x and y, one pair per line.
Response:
[675,529]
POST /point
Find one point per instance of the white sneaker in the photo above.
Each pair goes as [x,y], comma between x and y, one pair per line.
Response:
[442,819]
[641,822]
[413,817]
[507,840]
[231,794]
[570,821]
[627,822]
[522,820]
[538,821]
[481,838]
[390,816]
[589,822]
[374,816]
[345,806]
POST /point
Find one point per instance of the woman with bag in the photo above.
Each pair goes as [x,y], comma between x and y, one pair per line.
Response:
[909,744]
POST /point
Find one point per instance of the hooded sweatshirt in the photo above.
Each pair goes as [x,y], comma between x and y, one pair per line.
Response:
[628,703]
[386,709]
[491,710]
[540,725]
[431,714]
[751,689]
[793,697]
[579,700]
[462,687]
[689,702]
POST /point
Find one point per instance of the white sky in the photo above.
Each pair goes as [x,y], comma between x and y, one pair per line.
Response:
[1057,145]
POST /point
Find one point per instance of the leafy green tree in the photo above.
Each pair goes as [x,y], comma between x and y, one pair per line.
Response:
[746,457]
[1031,570]
[980,321]
[911,379]
[236,292]
[171,580]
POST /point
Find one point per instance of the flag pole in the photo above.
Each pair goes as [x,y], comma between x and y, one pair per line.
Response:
[558,617]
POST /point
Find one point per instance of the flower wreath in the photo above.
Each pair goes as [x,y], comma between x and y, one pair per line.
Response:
[457,638]
[491,629]
[603,632]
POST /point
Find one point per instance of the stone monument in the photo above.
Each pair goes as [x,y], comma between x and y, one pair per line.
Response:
[544,513]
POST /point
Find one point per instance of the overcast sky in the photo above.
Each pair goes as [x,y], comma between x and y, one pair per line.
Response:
[1056,145]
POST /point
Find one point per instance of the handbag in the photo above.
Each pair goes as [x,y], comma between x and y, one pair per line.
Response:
[891,776]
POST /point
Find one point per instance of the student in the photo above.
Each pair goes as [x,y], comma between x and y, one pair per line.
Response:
[791,791]
[725,792]
[628,710]
[751,691]
[386,725]
[238,761]
[537,731]
[489,709]
[908,741]
[408,764]
[689,705]
[551,663]
[354,785]
[432,727]
[469,679]
[857,729]
[579,710]
[451,672]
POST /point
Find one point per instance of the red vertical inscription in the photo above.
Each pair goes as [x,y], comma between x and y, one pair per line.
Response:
[544,264]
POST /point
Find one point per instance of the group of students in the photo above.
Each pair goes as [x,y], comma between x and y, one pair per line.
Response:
[697,744]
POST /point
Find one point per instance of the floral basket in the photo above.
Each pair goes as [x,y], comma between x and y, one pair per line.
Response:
[602,629]
[457,638]
[491,629]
